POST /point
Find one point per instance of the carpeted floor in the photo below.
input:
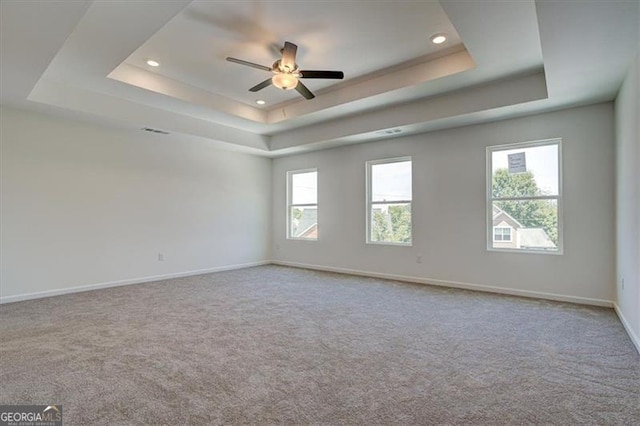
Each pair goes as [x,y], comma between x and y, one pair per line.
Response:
[271,345]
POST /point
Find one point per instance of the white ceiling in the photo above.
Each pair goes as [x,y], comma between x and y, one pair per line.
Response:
[502,59]
[345,36]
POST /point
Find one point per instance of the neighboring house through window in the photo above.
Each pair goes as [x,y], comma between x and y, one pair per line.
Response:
[389,197]
[302,204]
[524,189]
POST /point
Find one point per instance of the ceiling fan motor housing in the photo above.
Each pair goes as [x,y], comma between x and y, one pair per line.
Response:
[278,68]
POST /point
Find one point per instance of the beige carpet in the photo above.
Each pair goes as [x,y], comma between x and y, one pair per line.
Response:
[274,345]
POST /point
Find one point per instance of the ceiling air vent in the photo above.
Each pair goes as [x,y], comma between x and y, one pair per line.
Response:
[149,129]
[388,132]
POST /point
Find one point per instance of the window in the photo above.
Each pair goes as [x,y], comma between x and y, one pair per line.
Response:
[389,196]
[524,189]
[302,204]
[501,234]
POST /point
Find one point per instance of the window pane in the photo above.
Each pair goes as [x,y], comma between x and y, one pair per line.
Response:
[502,234]
[525,172]
[391,223]
[304,188]
[304,222]
[533,223]
[391,181]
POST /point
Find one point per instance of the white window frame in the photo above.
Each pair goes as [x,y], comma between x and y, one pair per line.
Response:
[370,203]
[510,240]
[490,199]
[290,204]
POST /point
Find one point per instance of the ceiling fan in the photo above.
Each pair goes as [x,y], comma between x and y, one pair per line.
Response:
[287,73]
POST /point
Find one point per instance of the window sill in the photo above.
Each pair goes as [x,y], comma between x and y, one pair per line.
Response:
[381,243]
[525,251]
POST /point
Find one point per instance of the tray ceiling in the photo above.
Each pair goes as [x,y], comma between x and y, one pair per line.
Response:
[501,59]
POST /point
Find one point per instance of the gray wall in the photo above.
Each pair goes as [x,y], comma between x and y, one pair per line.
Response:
[449,208]
[628,200]
[84,204]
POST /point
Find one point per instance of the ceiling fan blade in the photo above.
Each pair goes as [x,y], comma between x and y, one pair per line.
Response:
[261,86]
[289,56]
[336,75]
[302,89]
[249,64]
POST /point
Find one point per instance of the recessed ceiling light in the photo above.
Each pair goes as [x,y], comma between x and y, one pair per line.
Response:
[153,63]
[261,102]
[438,38]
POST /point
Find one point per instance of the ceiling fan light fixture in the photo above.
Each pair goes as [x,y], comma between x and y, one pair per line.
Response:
[287,73]
[285,81]
[438,38]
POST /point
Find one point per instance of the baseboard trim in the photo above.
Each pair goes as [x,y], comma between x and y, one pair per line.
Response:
[58,292]
[632,335]
[455,284]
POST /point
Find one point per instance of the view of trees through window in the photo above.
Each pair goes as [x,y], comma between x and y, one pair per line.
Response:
[389,198]
[392,225]
[525,195]
[530,213]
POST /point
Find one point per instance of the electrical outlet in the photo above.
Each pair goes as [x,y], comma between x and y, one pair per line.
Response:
[160,257]
[622,283]
[419,258]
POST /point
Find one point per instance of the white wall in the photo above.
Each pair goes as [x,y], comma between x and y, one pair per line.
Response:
[450,208]
[84,204]
[628,199]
